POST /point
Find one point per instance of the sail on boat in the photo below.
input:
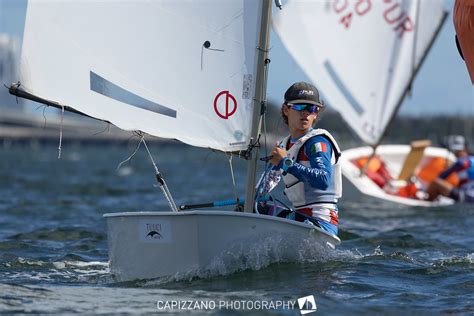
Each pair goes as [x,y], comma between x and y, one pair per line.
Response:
[191,71]
[364,56]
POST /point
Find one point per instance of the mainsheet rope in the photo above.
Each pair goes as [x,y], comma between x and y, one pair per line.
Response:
[159,178]
[61,132]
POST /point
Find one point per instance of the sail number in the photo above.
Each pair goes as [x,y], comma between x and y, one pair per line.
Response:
[393,14]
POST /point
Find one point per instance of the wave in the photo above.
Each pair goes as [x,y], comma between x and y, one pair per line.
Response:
[239,257]
[59,234]
[20,269]
[467,260]
[255,256]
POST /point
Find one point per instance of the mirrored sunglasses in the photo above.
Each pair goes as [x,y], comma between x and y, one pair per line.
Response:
[311,108]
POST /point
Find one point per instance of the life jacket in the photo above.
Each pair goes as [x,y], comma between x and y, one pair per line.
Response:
[431,170]
[467,175]
[408,191]
[302,194]
[375,170]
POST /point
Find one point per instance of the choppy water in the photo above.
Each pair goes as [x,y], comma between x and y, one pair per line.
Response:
[53,247]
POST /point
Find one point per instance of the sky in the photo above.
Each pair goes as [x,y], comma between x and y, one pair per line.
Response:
[441,86]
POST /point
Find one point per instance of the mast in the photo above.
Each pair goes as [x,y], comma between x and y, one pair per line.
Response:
[259,103]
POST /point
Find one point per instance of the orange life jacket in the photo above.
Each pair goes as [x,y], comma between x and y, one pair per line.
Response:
[376,170]
[433,168]
[408,191]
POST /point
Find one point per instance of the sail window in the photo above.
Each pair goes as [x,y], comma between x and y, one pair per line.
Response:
[111,90]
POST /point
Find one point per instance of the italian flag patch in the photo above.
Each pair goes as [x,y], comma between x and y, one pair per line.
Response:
[319,147]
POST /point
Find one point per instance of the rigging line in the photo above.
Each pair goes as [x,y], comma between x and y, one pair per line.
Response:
[264,116]
[265,134]
[263,119]
[106,129]
[44,116]
[149,153]
[134,152]
[263,107]
[61,133]
[134,134]
[251,146]
[233,177]
[161,180]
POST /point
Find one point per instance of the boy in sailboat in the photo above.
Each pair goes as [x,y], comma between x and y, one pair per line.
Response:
[307,160]
[463,167]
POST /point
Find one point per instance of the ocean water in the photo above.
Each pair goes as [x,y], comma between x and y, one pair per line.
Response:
[53,246]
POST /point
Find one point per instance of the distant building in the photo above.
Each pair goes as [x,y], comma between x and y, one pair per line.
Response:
[9,52]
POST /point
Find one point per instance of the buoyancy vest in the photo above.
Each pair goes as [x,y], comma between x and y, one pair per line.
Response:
[467,175]
[301,194]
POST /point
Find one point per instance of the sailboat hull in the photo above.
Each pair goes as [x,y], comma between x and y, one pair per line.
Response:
[147,245]
[355,185]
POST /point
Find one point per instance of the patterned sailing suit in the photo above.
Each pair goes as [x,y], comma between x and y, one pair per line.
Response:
[317,179]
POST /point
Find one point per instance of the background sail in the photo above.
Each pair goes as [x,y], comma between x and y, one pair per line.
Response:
[361,54]
[173,69]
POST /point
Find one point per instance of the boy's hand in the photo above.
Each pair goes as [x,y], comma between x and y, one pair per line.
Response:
[278,154]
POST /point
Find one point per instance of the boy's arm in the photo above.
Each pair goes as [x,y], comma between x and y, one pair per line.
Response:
[319,152]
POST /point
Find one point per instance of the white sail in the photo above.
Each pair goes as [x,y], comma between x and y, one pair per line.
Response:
[175,69]
[362,54]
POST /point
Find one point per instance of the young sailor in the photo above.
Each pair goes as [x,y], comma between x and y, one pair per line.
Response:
[307,160]
[463,167]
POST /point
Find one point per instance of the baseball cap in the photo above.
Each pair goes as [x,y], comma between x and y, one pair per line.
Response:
[456,142]
[303,92]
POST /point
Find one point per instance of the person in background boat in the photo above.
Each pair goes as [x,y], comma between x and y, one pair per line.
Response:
[375,169]
[307,160]
[464,168]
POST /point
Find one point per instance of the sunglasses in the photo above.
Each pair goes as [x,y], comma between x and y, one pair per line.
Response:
[311,108]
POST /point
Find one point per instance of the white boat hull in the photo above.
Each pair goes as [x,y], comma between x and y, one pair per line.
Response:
[355,184]
[147,245]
